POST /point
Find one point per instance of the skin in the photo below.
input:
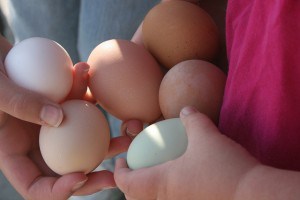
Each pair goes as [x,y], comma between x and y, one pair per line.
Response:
[20,158]
[213,167]
[216,9]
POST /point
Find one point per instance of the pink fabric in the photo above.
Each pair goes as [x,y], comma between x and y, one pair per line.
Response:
[261,109]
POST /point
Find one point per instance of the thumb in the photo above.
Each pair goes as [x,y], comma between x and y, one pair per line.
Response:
[26,105]
[198,126]
[140,183]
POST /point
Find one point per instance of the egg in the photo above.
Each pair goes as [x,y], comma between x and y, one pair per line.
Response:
[195,83]
[125,79]
[158,143]
[81,141]
[41,65]
[175,31]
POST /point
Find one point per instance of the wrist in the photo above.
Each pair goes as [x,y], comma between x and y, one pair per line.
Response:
[264,182]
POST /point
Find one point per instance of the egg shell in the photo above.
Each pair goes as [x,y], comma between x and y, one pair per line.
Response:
[192,83]
[158,143]
[81,141]
[175,31]
[41,65]
[125,79]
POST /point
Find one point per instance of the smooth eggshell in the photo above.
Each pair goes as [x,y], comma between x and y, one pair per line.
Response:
[41,65]
[125,79]
[192,83]
[81,141]
[158,143]
[175,31]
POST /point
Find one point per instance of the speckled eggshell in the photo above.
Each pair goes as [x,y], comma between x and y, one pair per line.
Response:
[195,83]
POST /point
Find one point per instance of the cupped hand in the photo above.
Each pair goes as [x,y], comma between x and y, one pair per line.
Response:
[20,158]
[211,167]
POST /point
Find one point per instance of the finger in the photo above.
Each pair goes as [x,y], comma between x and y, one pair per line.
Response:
[137,36]
[80,81]
[118,145]
[57,188]
[131,128]
[28,180]
[198,126]
[138,184]
[97,181]
[27,105]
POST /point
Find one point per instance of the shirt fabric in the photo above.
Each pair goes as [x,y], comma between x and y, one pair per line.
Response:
[261,108]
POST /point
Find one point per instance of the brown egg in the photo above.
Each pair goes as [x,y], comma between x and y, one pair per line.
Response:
[177,30]
[125,79]
[193,82]
[81,141]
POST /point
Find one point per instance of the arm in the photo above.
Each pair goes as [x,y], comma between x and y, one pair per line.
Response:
[263,182]
[213,167]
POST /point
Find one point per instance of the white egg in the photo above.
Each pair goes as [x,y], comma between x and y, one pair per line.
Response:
[41,65]
[160,142]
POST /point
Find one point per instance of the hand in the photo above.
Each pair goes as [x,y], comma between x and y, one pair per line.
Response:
[20,158]
[211,167]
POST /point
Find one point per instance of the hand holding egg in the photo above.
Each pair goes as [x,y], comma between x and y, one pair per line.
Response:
[41,65]
[184,39]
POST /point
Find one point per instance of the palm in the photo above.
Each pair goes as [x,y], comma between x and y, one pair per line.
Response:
[15,131]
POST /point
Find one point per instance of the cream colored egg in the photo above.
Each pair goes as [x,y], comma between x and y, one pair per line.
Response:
[80,143]
[41,65]
[158,143]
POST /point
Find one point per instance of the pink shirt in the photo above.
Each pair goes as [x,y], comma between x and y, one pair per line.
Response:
[261,109]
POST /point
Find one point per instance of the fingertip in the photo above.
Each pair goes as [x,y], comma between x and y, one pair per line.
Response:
[82,67]
[188,110]
[121,163]
[132,128]
[80,81]
[51,115]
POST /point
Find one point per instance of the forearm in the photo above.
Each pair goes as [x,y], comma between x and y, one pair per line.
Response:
[263,182]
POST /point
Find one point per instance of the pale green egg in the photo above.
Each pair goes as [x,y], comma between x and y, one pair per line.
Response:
[158,143]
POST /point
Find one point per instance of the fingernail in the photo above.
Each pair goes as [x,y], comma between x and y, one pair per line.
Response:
[84,69]
[78,185]
[51,115]
[188,110]
[107,188]
[130,134]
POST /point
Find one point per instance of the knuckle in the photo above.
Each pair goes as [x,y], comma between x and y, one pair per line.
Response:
[21,105]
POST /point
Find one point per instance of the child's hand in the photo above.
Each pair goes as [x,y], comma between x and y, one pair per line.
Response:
[211,163]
